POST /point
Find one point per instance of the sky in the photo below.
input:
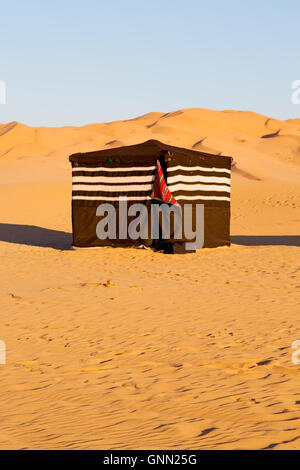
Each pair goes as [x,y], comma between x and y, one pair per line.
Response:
[75,62]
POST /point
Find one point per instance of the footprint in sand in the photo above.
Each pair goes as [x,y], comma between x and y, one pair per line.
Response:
[108,283]
[52,288]
[17,298]
[44,337]
[286,370]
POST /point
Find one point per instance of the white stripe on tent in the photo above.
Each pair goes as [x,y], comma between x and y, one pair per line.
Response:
[148,187]
[196,168]
[198,187]
[197,179]
[113,179]
[141,198]
[205,198]
[111,189]
[99,168]
[112,198]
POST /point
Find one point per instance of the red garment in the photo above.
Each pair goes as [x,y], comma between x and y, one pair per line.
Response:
[160,189]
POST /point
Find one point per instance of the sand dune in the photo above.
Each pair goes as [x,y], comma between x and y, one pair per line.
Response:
[263,147]
[99,354]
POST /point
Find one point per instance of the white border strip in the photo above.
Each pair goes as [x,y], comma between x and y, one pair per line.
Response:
[111,198]
[198,187]
[141,198]
[99,168]
[197,179]
[196,168]
[112,189]
[205,198]
[113,179]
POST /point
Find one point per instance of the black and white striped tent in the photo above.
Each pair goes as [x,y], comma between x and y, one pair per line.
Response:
[130,175]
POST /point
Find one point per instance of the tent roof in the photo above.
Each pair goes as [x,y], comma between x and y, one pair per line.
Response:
[149,151]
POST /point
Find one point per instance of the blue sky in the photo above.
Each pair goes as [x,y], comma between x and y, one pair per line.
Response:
[83,61]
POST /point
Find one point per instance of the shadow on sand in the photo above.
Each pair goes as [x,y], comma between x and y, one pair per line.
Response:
[271,240]
[47,238]
[35,236]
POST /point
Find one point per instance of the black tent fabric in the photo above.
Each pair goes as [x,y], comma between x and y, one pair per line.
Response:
[127,175]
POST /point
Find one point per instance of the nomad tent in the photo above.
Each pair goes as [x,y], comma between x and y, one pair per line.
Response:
[151,194]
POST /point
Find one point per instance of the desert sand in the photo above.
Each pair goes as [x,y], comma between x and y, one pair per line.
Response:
[131,349]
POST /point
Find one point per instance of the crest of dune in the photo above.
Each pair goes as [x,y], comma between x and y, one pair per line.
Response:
[262,148]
